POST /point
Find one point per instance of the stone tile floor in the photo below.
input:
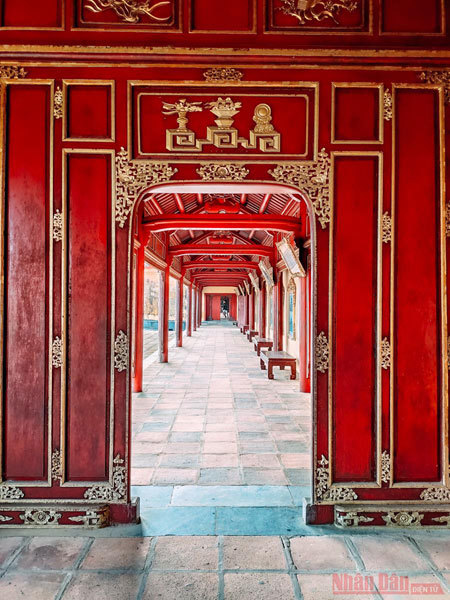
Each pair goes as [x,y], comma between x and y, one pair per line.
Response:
[225,567]
[211,417]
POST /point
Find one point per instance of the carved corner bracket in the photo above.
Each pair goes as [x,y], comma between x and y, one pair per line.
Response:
[221,171]
[7,72]
[324,492]
[132,178]
[110,491]
[438,78]
[314,179]
[441,494]
[223,75]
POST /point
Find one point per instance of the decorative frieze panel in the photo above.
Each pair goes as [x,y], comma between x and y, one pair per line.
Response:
[385,354]
[324,492]
[393,517]
[220,171]
[110,492]
[438,78]
[403,519]
[10,492]
[57,353]
[58,103]
[437,494]
[223,75]
[387,106]
[351,519]
[322,352]
[40,518]
[91,517]
[121,352]
[386,467]
[7,72]
[57,226]
[57,471]
[386,228]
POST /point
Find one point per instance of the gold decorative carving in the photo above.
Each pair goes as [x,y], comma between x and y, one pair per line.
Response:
[438,78]
[93,518]
[386,228]
[40,517]
[222,74]
[254,280]
[58,102]
[447,219]
[57,352]
[129,11]
[440,494]
[444,519]
[351,519]
[57,226]
[316,10]
[56,466]
[222,171]
[4,518]
[132,178]
[387,105]
[322,352]
[403,519]
[385,354]
[385,467]
[223,135]
[110,492]
[7,72]
[10,492]
[323,490]
[314,179]
[121,352]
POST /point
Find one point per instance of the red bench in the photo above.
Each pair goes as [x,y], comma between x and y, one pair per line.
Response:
[251,334]
[280,359]
[260,343]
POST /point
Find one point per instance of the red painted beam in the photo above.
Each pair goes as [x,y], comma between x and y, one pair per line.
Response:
[179,202]
[250,222]
[221,264]
[264,203]
[221,250]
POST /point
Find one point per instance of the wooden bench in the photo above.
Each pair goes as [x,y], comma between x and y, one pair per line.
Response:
[270,359]
[244,329]
[260,343]
[251,334]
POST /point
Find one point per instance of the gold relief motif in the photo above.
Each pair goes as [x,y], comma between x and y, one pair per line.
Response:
[438,78]
[39,517]
[386,228]
[121,352]
[129,11]
[444,519]
[7,72]
[56,466]
[9,492]
[322,352]
[314,179]
[222,74]
[132,178]
[316,10]
[324,492]
[57,226]
[386,467]
[447,219]
[4,518]
[351,519]
[93,518]
[403,519]
[221,171]
[224,135]
[385,354]
[110,492]
[58,101]
[436,494]
[57,353]
[387,108]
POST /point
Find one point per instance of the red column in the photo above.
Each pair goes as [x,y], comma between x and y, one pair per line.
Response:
[277,313]
[138,352]
[189,312]
[163,329]
[179,313]
[194,309]
[199,308]
[303,337]
[262,311]
[246,307]
[251,310]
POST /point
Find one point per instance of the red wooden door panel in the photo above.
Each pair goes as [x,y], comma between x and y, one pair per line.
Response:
[215,309]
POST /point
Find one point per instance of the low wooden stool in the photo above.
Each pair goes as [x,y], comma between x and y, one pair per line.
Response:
[270,359]
[251,334]
[244,329]
[260,343]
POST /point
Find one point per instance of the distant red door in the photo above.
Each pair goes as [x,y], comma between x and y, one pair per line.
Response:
[216,308]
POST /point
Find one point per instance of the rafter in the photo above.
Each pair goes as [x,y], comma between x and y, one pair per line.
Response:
[179,203]
[264,203]
[221,264]
[221,250]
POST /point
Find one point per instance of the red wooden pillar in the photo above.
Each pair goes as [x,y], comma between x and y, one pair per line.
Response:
[163,329]
[194,309]
[179,312]
[246,307]
[277,312]
[251,310]
[138,351]
[199,308]
[262,311]
[303,337]
[189,312]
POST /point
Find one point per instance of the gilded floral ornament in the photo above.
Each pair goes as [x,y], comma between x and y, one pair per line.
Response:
[222,171]
[4,518]
[56,466]
[436,494]
[316,10]
[445,519]
[403,519]
[385,467]
[93,518]
[386,228]
[387,105]
[351,519]
[40,517]
[121,352]
[57,353]
[130,11]
[58,103]
[222,74]
[314,179]
[438,78]
[322,352]
[326,493]
[110,492]
[10,492]
[385,354]
[132,178]
[57,226]
[7,72]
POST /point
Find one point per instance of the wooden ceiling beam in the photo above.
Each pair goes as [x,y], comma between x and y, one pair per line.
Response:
[221,250]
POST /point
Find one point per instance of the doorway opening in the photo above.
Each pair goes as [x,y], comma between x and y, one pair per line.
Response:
[209,428]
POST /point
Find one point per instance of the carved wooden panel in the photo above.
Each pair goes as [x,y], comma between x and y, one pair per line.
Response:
[409,17]
[88,111]
[233,17]
[124,14]
[319,17]
[357,115]
[46,14]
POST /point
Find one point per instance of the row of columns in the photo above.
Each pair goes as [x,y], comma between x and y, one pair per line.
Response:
[193,316]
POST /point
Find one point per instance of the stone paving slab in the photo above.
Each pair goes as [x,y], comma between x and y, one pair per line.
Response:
[227,567]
